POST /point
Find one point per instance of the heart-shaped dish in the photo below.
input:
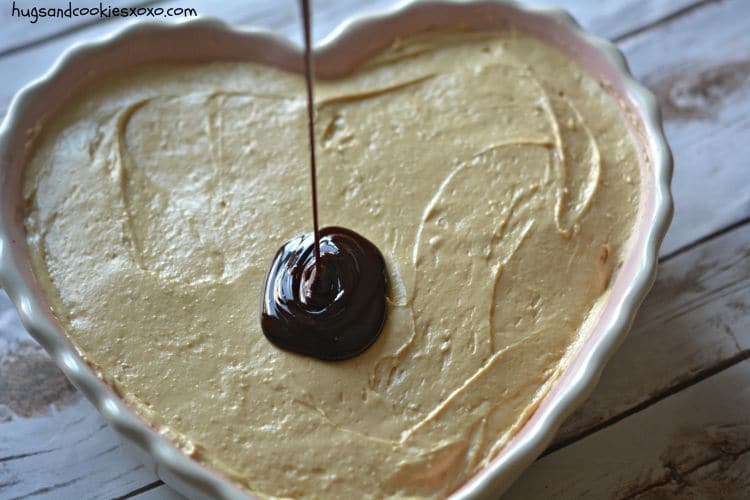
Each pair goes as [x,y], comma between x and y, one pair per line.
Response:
[350,44]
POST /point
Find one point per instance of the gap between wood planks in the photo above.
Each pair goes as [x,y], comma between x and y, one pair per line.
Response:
[25,455]
[698,377]
[704,239]
[48,489]
[663,20]
[142,489]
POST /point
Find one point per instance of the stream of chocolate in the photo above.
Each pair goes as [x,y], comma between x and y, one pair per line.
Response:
[325,293]
[311,126]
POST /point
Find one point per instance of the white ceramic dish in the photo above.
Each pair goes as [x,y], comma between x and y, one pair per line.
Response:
[351,43]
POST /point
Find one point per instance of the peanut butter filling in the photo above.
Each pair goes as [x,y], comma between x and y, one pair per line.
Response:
[498,179]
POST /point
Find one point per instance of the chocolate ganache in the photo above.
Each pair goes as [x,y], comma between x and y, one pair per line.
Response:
[324,295]
[332,311]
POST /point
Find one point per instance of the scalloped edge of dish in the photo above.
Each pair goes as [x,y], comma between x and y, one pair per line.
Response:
[192,478]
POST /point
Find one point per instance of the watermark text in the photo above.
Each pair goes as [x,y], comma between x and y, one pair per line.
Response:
[102,11]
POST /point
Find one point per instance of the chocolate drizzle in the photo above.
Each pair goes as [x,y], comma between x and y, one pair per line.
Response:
[311,124]
[324,295]
[333,311]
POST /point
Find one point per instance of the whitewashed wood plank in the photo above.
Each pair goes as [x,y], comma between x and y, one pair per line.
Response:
[71,453]
[699,67]
[694,444]
[696,316]
[11,330]
[53,443]
[21,24]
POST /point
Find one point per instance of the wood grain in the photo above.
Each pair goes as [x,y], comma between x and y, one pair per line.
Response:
[692,332]
[699,67]
[69,453]
[693,444]
[696,316]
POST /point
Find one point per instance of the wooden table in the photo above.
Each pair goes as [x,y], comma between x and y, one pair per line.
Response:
[671,415]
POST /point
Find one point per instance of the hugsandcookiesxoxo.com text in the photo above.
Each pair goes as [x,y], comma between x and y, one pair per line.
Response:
[33,14]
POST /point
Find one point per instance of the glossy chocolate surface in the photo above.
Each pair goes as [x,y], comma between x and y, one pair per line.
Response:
[333,311]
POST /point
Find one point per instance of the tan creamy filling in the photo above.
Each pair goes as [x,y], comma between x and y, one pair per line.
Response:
[498,180]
